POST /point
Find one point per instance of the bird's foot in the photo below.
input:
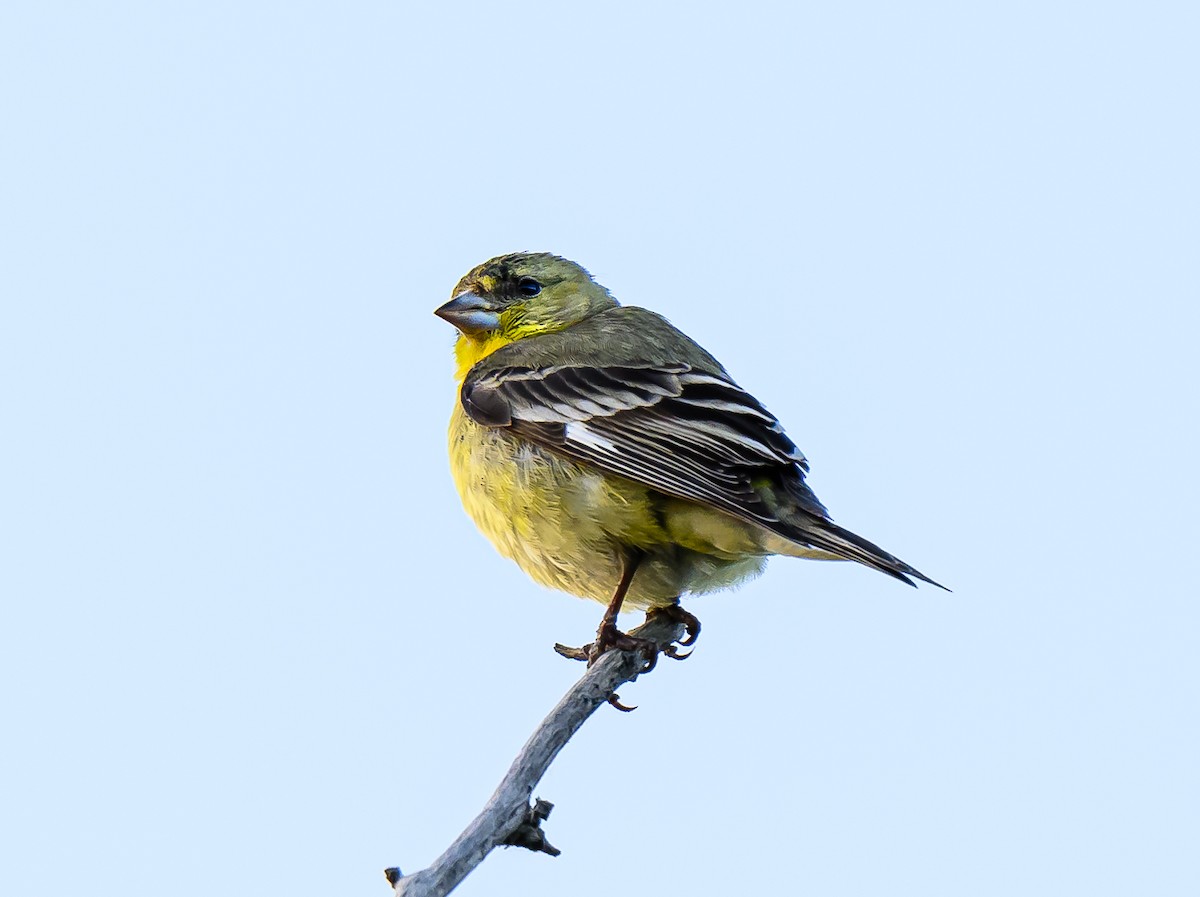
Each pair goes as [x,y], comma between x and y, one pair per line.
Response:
[610,638]
[691,625]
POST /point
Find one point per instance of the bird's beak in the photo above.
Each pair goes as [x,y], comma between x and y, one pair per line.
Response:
[470,313]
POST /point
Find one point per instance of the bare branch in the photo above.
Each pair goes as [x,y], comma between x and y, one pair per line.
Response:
[508,816]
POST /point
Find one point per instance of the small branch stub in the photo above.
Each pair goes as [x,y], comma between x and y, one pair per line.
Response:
[530,835]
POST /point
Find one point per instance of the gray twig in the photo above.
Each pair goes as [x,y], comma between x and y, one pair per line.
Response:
[508,818]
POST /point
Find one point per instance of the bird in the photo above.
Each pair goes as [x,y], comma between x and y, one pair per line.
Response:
[612,457]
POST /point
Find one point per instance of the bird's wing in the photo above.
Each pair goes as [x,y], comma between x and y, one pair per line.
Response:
[680,429]
[629,393]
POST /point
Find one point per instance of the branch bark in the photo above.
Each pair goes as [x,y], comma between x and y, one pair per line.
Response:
[508,817]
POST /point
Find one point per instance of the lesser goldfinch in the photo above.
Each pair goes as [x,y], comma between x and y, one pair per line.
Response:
[612,457]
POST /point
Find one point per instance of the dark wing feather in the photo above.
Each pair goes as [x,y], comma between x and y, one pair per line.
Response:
[686,432]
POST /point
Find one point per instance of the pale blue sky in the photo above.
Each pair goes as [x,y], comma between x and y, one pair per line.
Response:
[250,642]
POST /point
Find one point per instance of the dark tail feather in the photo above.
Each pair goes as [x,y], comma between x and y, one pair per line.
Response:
[832,538]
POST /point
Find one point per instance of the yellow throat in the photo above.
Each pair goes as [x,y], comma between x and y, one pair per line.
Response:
[468,351]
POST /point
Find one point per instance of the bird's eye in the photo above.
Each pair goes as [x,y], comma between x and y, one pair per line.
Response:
[527,286]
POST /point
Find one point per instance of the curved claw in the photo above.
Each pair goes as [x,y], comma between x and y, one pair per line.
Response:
[672,652]
[615,700]
[651,661]
[691,623]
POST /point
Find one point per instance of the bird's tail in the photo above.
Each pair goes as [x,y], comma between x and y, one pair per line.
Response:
[827,536]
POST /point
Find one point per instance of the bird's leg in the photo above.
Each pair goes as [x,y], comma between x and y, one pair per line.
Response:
[691,625]
[608,636]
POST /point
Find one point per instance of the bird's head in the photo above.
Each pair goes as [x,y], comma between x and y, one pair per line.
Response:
[523,294]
